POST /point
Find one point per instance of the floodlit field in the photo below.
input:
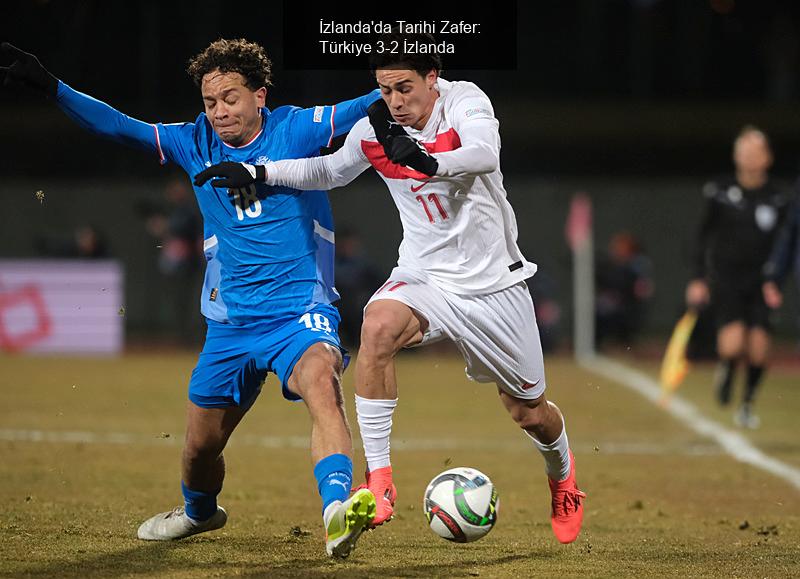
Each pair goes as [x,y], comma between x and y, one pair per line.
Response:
[662,500]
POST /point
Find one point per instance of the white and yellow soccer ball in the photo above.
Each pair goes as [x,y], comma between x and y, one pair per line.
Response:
[461,505]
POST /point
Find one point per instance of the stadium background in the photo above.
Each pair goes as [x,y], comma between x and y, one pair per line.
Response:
[634,101]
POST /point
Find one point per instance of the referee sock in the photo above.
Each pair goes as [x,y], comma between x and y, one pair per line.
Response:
[754,376]
[375,425]
[724,380]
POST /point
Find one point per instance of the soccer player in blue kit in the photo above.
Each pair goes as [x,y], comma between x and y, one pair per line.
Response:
[269,280]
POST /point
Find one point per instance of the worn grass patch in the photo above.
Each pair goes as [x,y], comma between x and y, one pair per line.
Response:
[662,501]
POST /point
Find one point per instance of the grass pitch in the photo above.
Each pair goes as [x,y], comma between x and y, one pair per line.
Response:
[662,501]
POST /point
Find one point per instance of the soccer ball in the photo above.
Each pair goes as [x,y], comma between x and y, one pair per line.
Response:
[461,505]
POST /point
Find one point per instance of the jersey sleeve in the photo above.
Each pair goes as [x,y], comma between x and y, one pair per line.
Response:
[472,117]
[101,119]
[175,142]
[321,173]
[708,224]
[171,142]
[317,127]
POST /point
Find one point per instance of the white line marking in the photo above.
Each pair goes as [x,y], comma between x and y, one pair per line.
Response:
[732,442]
[400,444]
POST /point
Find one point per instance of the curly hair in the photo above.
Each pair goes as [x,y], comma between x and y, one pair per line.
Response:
[247,58]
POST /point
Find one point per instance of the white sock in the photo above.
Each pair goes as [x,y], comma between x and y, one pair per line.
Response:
[556,455]
[375,424]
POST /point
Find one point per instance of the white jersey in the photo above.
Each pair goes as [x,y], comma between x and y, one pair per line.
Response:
[459,230]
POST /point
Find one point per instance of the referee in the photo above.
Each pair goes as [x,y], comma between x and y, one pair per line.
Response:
[743,212]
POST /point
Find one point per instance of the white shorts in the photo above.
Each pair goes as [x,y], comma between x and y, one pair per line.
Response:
[496,333]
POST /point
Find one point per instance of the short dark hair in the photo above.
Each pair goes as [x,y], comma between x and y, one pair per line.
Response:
[749,128]
[421,63]
[247,58]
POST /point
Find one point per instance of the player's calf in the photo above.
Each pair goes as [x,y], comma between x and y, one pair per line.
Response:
[543,423]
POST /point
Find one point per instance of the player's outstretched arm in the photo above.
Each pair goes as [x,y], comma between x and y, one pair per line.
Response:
[27,73]
[348,113]
[231,175]
[314,174]
[316,127]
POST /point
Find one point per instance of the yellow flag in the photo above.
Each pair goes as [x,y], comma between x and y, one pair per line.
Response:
[675,365]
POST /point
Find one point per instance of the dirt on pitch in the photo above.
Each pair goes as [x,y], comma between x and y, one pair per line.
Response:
[90,448]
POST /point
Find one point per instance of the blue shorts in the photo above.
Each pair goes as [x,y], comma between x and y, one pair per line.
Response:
[235,360]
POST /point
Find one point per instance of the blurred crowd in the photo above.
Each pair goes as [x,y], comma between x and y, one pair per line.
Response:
[623,286]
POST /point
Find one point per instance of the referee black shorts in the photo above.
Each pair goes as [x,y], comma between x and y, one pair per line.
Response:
[736,299]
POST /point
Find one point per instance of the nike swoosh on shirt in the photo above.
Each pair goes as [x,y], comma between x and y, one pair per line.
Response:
[415,189]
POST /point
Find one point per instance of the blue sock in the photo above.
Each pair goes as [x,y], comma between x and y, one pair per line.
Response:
[334,476]
[199,505]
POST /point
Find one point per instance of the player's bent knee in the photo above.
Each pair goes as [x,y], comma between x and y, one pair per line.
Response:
[380,335]
[320,359]
[317,375]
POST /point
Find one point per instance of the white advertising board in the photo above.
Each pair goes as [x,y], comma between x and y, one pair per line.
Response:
[61,306]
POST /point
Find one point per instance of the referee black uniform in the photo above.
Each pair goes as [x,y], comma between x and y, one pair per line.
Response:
[737,232]
[736,236]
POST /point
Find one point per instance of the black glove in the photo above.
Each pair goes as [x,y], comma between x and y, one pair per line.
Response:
[406,150]
[234,175]
[399,147]
[382,122]
[27,72]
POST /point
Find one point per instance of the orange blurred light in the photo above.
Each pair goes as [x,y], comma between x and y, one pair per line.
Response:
[722,6]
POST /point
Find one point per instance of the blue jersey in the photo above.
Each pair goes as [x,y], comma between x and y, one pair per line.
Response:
[269,249]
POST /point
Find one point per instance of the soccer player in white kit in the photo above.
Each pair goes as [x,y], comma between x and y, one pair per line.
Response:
[460,275]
